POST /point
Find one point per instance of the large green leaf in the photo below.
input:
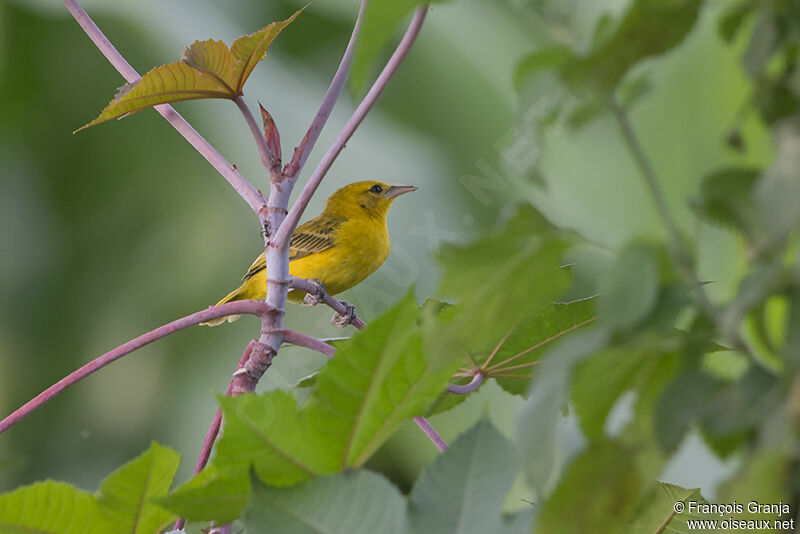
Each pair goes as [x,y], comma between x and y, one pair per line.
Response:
[52,508]
[726,198]
[463,490]
[499,280]
[658,510]
[208,69]
[210,496]
[126,494]
[598,492]
[378,379]
[361,502]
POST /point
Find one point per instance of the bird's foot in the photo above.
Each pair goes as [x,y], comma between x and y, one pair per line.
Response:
[341,320]
[317,295]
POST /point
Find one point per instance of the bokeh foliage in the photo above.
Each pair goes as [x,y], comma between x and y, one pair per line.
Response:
[657,152]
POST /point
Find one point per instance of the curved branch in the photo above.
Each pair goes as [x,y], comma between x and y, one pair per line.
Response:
[336,305]
[466,389]
[251,307]
[329,100]
[228,171]
[309,342]
[290,222]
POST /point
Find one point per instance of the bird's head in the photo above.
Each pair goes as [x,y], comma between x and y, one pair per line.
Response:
[369,197]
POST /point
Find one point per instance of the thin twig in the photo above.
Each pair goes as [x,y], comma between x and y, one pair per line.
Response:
[290,222]
[309,342]
[243,187]
[431,433]
[305,147]
[496,350]
[540,344]
[213,431]
[466,389]
[251,307]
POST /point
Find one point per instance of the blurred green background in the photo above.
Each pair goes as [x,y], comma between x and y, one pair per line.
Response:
[109,233]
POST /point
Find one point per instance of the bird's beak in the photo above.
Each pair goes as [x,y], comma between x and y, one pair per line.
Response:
[397,190]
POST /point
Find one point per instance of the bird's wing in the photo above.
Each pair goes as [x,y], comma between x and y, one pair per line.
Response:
[316,235]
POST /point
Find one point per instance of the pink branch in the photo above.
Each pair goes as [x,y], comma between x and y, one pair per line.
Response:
[213,431]
[290,222]
[303,340]
[431,433]
[251,307]
[305,147]
[466,389]
[242,186]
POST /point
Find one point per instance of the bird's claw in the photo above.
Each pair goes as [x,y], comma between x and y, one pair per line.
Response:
[312,299]
[341,320]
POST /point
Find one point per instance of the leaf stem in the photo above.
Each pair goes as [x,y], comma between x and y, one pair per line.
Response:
[251,307]
[434,436]
[228,171]
[305,147]
[290,223]
[466,389]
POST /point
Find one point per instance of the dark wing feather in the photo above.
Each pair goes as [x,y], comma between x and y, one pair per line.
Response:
[314,236]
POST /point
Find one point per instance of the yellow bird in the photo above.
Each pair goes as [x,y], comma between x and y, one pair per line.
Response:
[342,246]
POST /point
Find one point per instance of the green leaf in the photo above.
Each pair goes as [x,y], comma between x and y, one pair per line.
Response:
[535,62]
[681,404]
[731,22]
[657,512]
[380,22]
[600,487]
[599,381]
[378,379]
[631,288]
[464,489]
[126,494]
[210,496]
[208,69]
[726,198]
[779,187]
[499,280]
[52,508]
[539,418]
[361,502]
[649,28]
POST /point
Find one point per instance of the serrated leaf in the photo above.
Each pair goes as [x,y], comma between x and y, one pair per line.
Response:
[208,69]
[657,513]
[210,496]
[52,508]
[631,288]
[126,494]
[361,502]
[538,420]
[378,379]
[648,28]
[577,506]
[380,22]
[463,491]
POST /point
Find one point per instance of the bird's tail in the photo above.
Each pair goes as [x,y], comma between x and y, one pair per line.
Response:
[236,294]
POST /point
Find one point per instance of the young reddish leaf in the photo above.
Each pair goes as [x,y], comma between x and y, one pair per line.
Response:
[271,134]
[207,69]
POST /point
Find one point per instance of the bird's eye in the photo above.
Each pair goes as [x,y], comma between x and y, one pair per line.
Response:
[376,189]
